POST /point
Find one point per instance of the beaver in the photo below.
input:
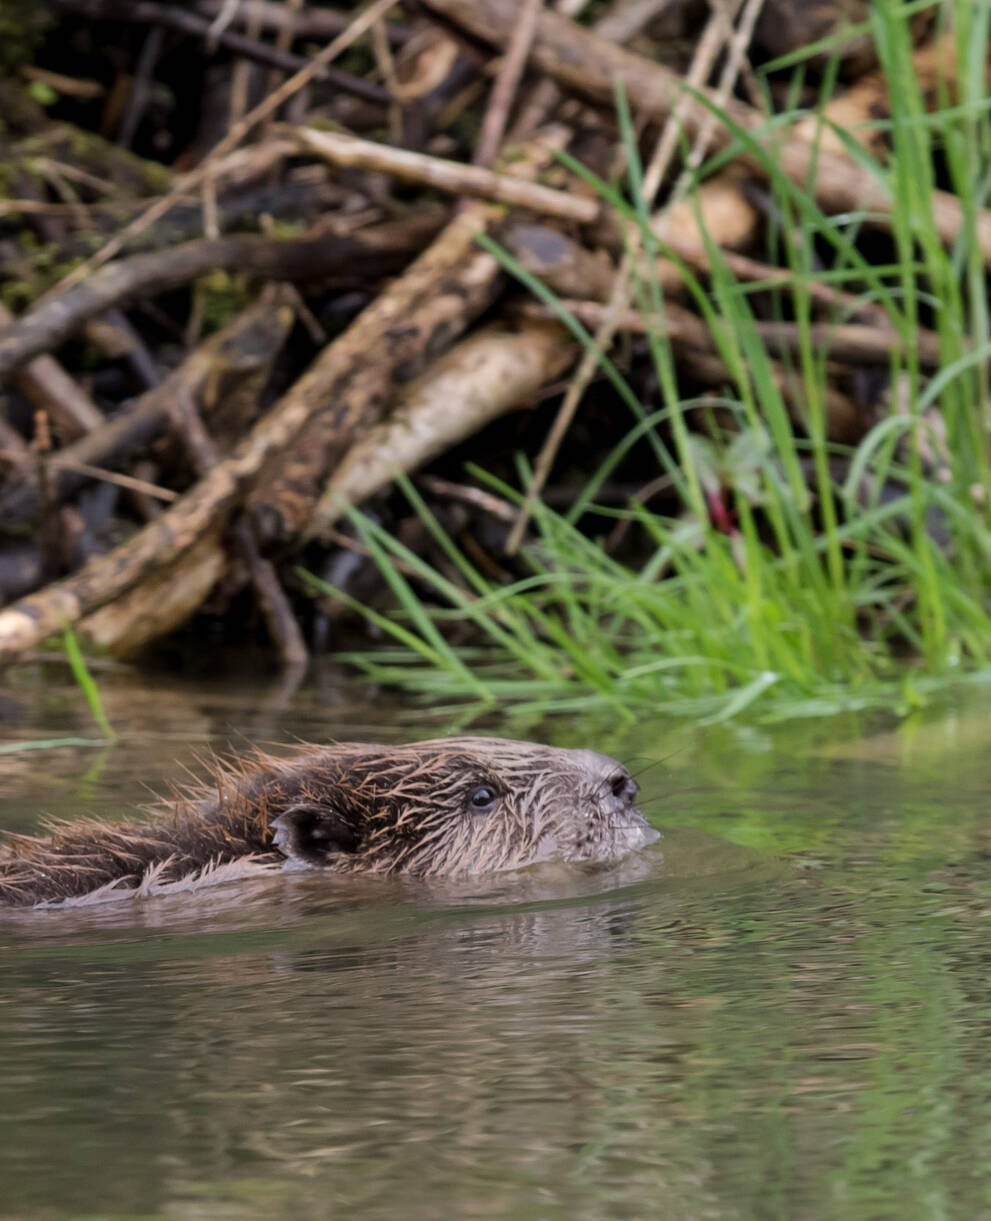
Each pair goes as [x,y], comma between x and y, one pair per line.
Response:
[444,807]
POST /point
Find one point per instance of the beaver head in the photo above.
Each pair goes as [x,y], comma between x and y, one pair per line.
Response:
[454,806]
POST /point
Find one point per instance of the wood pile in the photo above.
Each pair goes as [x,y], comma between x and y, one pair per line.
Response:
[243,284]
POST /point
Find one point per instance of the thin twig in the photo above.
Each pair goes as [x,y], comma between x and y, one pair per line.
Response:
[506,84]
[851,343]
[494,506]
[122,481]
[137,103]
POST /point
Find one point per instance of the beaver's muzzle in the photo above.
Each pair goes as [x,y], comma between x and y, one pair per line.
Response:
[624,828]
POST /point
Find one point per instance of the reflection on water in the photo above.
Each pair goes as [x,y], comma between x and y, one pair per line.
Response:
[779,1011]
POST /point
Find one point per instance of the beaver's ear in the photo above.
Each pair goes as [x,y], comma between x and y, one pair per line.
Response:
[313,834]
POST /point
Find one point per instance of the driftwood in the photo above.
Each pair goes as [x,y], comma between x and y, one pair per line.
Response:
[587,64]
[45,326]
[480,379]
[350,385]
[483,377]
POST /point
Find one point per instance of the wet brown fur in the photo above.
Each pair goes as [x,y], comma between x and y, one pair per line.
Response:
[379,809]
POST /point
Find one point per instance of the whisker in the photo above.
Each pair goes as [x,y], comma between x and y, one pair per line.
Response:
[656,762]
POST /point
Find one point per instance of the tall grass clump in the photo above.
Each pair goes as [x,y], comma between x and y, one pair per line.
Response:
[832,577]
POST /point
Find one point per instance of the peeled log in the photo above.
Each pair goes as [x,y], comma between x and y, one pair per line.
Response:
[481,379]
[160,604]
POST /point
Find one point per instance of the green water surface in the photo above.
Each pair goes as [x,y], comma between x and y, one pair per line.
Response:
[782,1010]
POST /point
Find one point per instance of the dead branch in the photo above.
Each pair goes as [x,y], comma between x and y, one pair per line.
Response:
[48,324]
[483,377]
[47,385]
[506,83]
[162,602]
[471,180]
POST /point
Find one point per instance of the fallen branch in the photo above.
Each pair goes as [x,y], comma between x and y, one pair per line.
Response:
[47,385]
[48,324]
[161,603]
[471,180]
[481,378]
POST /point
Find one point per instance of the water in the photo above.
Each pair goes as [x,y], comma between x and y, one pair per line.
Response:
[781,1011]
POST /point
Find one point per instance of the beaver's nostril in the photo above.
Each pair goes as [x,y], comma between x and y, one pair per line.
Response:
[623,786]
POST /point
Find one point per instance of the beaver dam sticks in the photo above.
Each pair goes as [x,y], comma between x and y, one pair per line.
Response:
[445,807]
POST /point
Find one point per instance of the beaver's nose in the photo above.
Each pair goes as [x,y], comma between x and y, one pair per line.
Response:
[622,786]
[611,774]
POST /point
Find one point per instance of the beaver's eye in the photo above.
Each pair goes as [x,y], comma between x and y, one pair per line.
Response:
[483,798]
